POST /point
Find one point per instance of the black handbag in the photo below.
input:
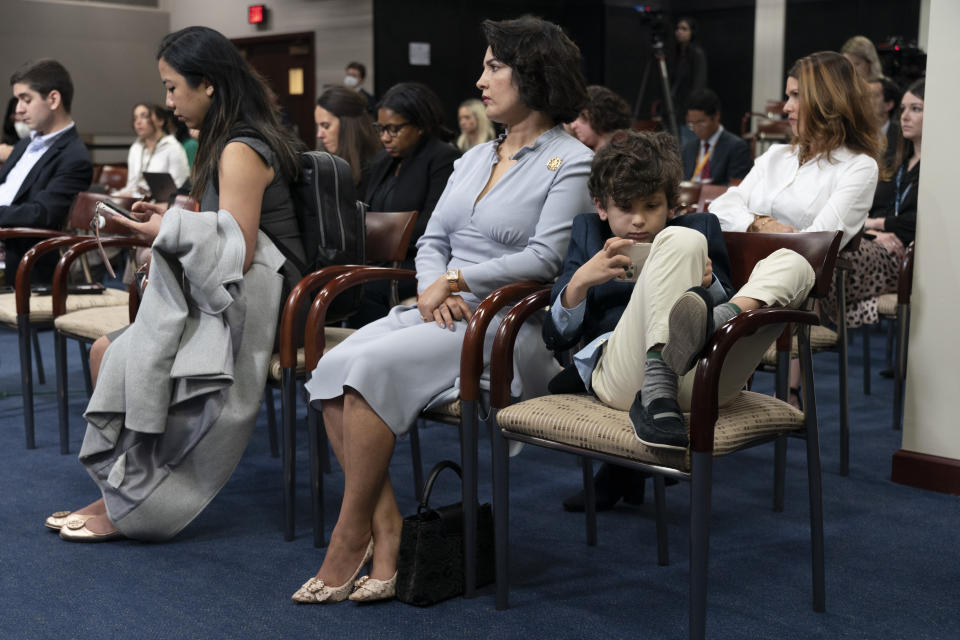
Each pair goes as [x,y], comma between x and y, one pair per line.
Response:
[430,561]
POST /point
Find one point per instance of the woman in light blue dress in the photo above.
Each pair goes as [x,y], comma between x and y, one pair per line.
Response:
[504,216]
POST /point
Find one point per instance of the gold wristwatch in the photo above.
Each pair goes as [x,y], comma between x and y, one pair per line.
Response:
[453,279]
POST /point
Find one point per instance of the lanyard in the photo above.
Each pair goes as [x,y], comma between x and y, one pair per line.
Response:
[703,161]
[900,197]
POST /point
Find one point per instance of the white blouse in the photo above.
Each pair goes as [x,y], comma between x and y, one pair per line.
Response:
[167,157]
[820,195]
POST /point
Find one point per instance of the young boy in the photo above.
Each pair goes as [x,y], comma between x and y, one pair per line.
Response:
[644,338]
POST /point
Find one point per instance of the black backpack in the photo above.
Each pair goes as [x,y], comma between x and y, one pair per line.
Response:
[331,220]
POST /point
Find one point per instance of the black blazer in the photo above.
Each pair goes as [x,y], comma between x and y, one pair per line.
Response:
[422,178]
[729,159]
[606,302]
[45,196]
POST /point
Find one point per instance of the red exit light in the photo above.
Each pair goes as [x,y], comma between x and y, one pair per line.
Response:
[255,13]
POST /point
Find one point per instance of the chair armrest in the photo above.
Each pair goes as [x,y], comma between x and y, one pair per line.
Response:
[704,404]
[291,319]
[501,357]
[62,271]
[314,338]
[30,232]
[22,280]
[905,276]
[471,356]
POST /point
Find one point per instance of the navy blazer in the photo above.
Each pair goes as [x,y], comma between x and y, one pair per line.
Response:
[45,196]
[606,302]
[729,159]
[422,178]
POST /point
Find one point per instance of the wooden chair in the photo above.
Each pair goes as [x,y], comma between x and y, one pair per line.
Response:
[463,412]
[27,312]
[687,197]
[770,128]
[580,424]
[709,193]
[386,240]
[112,177]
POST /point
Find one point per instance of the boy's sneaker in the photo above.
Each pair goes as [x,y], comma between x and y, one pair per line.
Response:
[691,325]
[660,424]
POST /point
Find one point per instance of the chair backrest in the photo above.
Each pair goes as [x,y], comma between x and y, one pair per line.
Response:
[85,206]
[820,248]
[388,235]
[112,176]
[687,195]
[709,193]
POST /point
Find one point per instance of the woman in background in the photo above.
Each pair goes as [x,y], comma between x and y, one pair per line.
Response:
[605,114]
[859,50]
[475,127]
[154,151]
[344,129]
[409,174]
[689,69]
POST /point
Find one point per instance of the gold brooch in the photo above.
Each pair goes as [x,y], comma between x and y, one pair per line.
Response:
[554,163]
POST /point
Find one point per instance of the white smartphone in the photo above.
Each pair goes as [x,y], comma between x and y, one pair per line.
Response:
[637,252]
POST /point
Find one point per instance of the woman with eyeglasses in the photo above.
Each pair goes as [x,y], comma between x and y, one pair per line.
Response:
[409,174]
[504,216]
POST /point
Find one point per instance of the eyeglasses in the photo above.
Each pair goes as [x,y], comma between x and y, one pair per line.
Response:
[392,130]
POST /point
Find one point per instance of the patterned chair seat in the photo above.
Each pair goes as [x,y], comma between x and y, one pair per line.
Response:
[41,307]
[335,335]
[820,338]
[583,421]
[90,324]
[887,304]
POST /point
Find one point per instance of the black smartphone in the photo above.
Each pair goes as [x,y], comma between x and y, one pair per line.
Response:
[116,209]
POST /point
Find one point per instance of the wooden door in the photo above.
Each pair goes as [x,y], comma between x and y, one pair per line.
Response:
[287,63]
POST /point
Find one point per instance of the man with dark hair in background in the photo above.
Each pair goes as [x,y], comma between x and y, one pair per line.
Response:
[715,155]
[356,74]
[46,170]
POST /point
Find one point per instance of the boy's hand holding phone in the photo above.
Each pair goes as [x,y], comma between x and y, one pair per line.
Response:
[607,264]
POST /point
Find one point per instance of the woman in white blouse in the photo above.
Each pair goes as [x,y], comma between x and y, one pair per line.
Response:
[154,151]
[825,178]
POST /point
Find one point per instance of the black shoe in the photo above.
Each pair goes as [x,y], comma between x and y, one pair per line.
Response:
[886,373]
[611,483]
[691,325]
[659,425]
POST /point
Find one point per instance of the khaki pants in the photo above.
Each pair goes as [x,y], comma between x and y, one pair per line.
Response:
[676,263]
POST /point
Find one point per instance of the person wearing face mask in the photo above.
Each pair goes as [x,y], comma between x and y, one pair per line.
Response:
[13,130]
[356,74]
[154,151]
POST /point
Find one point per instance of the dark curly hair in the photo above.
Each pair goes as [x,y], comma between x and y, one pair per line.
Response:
[545,64]
[636,164]
[606,111]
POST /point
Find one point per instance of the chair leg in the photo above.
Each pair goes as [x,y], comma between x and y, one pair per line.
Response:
[589,500]
[469,463]
[63,407]
[779,472]
[288,434]
[34,336]
[814,480]
[700,489]
[417,461]
[316,431]
[660,498]
[844,390]
[271,421]
[85,364]
[501,512]
[866,359]
[900,365]
[26,378]
[891,336]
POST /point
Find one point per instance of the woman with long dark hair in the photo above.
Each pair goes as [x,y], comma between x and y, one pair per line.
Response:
[504,216]
[344,129]
[178,391]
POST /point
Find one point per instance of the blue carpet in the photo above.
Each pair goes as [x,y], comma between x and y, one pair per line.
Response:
[891,550]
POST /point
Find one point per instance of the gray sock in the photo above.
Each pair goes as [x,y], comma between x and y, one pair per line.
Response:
[724,312]
[659,381]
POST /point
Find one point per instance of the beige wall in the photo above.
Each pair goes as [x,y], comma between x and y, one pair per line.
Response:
[343,28]
[768,34]
[108,50]
[932,416]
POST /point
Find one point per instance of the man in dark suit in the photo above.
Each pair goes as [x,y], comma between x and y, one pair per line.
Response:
[715,155]
[45,171]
